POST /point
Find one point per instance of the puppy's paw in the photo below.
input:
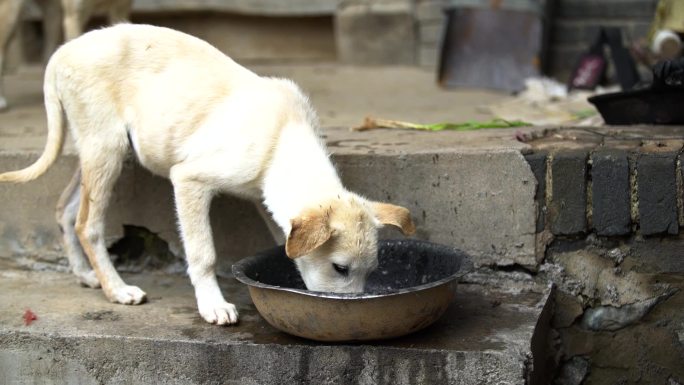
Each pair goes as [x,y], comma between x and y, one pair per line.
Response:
[127,295]
[87,278]
[3,104]
[219,312]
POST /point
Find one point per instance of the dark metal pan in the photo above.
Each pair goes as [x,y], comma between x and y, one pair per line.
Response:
[411,288]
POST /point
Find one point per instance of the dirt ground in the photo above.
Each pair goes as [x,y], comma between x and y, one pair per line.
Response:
[342,95]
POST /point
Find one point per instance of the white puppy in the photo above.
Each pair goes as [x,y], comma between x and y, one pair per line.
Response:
[192,114]
[69,15]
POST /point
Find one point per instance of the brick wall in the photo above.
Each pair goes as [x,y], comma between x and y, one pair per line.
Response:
[610,186]
[575,23]
[410,32]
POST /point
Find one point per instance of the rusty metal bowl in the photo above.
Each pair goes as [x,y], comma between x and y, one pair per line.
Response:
[411,288]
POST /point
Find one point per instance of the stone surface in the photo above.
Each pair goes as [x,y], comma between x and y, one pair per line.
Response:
[648,349]
[78,337]
[567,208]
[610,192]
[454,199]
[254,38]
[496,215]
[451,195]
[375,33]
[28,226]
[537,161]
[258,7]
[573,371]
[657,191]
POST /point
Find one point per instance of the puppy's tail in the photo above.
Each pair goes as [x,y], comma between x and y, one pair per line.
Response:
[55,137]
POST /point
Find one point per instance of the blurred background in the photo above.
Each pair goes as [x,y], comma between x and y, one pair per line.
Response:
[379,32]
[465,58]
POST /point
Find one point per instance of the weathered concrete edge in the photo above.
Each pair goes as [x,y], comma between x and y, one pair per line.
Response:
[247,7]
[453,197]
[134,360]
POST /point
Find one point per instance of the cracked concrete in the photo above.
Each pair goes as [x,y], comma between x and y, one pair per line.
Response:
[446,180]
[484,338]
[617,310]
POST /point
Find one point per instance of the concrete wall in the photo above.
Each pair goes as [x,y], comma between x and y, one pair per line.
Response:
[404,32]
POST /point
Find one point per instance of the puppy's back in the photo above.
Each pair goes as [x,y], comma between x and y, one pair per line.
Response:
[124,56]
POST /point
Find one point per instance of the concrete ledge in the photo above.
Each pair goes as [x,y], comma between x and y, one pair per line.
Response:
[247,7]
[630,182]
[484,338]
[445,179]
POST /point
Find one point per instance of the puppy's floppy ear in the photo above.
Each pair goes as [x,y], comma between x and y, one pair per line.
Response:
[308,232]
[398,216]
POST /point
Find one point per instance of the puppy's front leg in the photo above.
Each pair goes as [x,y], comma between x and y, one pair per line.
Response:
[193,200]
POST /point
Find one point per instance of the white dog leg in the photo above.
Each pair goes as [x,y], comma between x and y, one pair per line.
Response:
[193,201]
[67,210]
[9,14]
[101,163]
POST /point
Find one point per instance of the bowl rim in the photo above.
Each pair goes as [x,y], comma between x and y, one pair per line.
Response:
[465,268]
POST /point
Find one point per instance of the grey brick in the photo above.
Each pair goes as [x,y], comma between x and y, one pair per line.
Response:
[428,56]
[657,190]
[584,32]
[430,10]
[537,161]
[573,32]
[375,34]
[431,32]
[567,209]
[563,59]
[610,192]
[606,9]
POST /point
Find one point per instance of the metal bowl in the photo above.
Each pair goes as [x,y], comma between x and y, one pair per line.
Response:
[411,288]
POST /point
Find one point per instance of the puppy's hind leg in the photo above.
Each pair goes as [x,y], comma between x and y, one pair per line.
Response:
[193,200]
[100,167]
[9,14]
[66,212]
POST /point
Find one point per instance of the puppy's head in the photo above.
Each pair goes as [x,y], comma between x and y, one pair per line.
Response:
[335,245]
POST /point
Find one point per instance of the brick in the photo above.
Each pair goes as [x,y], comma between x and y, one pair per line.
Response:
[610,192]
[563,32]
[430,10]
[680,191]
[567,208]
[572,32]
[537,162]
[606,9]
[431,32]
[428,56]
[376,33]
[562,59]
[657,191]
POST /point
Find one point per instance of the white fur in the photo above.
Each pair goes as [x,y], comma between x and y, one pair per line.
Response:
[211,126]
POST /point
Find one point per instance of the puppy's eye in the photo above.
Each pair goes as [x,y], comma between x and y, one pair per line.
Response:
[342,270]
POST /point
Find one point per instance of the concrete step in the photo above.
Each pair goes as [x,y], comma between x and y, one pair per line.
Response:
[444,178]
[486,337]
